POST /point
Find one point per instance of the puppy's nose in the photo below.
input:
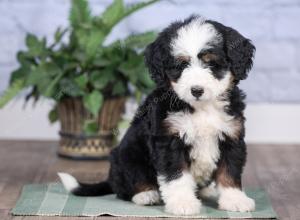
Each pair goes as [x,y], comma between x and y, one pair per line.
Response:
[197,91]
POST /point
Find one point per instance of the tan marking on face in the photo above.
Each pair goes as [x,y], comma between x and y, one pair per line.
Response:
[209,57]
[183,58]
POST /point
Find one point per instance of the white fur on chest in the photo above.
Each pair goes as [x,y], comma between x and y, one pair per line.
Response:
[202,130]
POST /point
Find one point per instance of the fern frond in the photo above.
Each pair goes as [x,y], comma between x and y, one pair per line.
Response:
[49,91]
[140,40]
[114,13]
[117,11]
[80,12]
[134,7]
[11,92]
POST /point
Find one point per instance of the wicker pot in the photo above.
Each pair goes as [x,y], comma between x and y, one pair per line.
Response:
[74,143]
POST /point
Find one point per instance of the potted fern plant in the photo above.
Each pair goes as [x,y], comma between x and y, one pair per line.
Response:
[88,80]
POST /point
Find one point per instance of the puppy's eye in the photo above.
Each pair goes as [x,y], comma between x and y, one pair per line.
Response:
[212,60]
[183,64]
[215,63]
[208,57]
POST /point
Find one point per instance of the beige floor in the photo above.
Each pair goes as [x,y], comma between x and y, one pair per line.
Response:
[272,167]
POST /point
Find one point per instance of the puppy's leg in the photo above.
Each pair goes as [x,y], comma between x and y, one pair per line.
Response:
[233,199]
[131,174]
[176,184]
[209,192]
[179,194]
[228,179]
[149,197]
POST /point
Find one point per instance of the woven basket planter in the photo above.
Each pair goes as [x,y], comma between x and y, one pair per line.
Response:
[74,143]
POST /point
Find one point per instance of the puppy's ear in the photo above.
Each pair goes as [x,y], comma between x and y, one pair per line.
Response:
[240,53]
[156,54]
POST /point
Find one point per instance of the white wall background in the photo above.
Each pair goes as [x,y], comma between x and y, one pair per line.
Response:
[273,86]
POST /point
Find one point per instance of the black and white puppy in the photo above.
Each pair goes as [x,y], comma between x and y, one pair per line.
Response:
[187,139]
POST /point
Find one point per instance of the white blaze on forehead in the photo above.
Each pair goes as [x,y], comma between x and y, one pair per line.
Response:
[193,37]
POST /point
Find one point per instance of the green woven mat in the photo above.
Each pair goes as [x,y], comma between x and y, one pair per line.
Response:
[53,200]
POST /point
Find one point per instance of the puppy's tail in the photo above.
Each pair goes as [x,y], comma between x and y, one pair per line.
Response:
[83,189]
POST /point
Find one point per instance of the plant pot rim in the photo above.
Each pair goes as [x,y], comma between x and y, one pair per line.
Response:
[105,98]
[84,136]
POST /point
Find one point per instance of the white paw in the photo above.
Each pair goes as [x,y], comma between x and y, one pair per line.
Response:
[146,198]
[183,206]
[209,191]
[232,199]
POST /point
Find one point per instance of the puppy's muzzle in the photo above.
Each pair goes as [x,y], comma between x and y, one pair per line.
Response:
[197,91]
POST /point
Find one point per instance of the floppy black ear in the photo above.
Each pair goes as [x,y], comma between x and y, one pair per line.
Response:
[153,60]
[240,52]
[155,56]
[158,56]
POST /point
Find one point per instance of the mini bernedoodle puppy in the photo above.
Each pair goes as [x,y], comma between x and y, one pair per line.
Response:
[186,141]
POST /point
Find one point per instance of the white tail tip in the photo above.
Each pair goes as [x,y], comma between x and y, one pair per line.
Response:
[69,182]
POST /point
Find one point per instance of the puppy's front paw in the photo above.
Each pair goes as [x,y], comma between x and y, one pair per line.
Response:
[184,206]
[235,200]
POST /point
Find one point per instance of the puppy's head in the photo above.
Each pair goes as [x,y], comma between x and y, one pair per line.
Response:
[200,59]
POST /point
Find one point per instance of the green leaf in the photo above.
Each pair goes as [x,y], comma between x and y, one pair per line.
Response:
[94,40]
[80,56]
[90,127]
[36,77]
[115,54]
[100,79]
[80,13]
[90,42]
[31,41]
[20,73]
[53,116]
[50,91]
[50,69]
[93,102]
[81,81]
[113,13]
[117,11]
[140,40]
[137,6]
[70,87]
[70,66]
[46,77]
[119,88]
[25,58]
[132,66]
[129,71]
[145,79]
[11,92]
[101,62]
[36,47]
[59,33]
[81,36]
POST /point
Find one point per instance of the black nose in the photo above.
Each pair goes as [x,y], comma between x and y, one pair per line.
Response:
[197,91]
